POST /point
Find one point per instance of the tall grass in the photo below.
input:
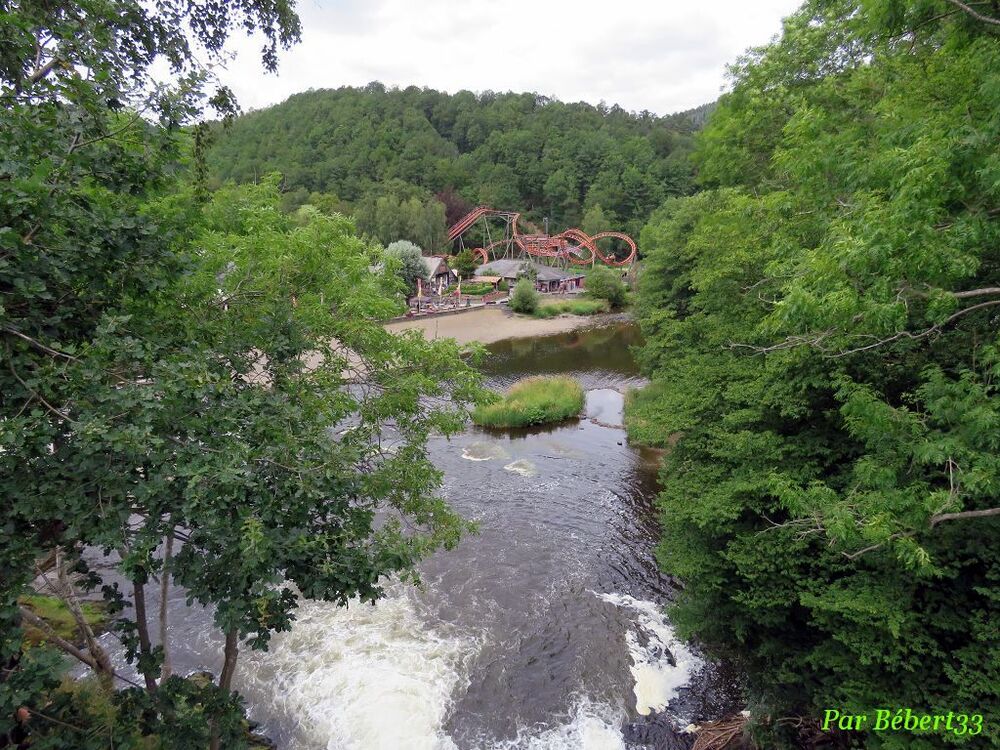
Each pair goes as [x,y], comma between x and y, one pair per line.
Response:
[572,307]
[533,401]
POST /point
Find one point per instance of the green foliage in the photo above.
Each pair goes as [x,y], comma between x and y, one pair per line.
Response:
[87,139]
[570,307]
[533,401]
[464,263]
[388,152]
[643,420]
[818,341]
[606,283]
[474,289]
[177,368]
[388,217]
[524,298]
[409,263]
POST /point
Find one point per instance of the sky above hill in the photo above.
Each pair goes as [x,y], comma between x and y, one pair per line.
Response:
[663,56]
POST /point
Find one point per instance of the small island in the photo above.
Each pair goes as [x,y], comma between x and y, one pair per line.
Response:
[533,401]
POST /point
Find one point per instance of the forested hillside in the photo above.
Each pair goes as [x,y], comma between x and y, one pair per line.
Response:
[822,334]
[398,159]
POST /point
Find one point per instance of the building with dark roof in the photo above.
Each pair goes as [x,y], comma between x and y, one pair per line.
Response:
[547,278]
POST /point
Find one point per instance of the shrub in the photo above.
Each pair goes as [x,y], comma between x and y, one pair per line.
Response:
[606,283]
[533,401]
[572,307]
[644,415]
[464,264]
[474,289]
[412,264]
[525,298]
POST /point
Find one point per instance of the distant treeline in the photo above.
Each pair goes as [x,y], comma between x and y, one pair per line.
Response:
[407,162]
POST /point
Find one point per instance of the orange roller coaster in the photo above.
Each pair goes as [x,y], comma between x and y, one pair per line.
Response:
[573,246]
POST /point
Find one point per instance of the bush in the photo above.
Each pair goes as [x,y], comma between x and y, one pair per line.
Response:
[525,298]
[464,264]
[533,401]
[606,283]
[412,264]
[572,307]
[644,417]
[475,289]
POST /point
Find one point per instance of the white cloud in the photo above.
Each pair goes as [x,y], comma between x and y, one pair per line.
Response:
[662,56]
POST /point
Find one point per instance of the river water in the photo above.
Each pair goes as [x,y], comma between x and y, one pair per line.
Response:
[543,631]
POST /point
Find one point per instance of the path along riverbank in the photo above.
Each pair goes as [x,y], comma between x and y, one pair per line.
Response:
[490,324]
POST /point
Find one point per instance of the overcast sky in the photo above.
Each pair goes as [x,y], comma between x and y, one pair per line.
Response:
[664,56]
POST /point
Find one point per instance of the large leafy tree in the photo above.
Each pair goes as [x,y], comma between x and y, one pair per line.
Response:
[200,393]
[822,322]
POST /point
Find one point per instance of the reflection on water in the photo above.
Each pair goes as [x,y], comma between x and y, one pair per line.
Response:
[599,357]
[544,631]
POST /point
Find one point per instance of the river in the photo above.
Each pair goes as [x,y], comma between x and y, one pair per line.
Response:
[545,630]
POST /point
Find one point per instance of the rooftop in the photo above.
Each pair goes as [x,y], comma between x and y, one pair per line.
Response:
[509,269]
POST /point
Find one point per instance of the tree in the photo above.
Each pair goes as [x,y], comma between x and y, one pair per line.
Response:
[596,220]
[171,373]
[606,283]
[409,263]
[524,298]
[464,264]
[826,373]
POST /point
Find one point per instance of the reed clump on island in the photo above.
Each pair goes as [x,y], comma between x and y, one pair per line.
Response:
[533,401]
[571,307]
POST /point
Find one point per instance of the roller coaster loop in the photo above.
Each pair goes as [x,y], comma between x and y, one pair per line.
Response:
[574,245]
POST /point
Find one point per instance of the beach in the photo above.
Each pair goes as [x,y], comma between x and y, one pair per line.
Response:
[489,324]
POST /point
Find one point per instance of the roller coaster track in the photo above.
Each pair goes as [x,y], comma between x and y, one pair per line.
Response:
[574,245]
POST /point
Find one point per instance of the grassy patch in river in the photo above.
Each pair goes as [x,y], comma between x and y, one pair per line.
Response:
[533,401]
[571,307]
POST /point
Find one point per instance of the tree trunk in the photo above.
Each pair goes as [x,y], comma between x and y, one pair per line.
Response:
[168,549]
[226,678]
[142,626]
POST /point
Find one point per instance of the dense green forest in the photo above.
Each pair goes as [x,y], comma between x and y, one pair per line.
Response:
[405,162]
[821,326]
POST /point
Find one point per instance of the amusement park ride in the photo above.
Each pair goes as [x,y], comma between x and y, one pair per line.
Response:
[572,246]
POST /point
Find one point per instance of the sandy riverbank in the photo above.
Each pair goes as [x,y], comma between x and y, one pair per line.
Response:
[489,324]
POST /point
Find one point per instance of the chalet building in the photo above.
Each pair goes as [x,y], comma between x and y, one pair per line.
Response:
[547,278]
[438,271]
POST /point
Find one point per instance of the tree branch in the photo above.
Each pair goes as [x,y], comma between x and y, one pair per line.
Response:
[50,635]
[974,13]
[965,514]
[985,291]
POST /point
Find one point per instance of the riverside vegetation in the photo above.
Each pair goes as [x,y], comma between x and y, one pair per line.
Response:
[821,327]
[533,401]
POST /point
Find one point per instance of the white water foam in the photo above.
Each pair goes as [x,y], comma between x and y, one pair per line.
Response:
[591,726]
[657,680]
[483,451]
[360,677]
[522,466]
